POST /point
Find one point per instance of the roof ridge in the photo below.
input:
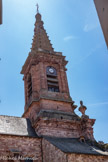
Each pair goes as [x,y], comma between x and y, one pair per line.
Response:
[12,116]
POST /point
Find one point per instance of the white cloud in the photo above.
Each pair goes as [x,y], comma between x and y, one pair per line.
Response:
[89,54]
[70,37]
[98,104]
[89,27]
[91,19]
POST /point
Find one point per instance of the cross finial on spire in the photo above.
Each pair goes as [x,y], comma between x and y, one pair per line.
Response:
[37,8]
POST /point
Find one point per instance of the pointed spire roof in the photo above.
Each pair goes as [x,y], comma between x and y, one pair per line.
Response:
[40,39]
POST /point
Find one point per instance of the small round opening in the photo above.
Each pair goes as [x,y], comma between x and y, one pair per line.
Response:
[61,117]
[82,139]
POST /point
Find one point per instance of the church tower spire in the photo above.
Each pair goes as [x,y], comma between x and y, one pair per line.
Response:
[40,39]
[48,104]
[45,72]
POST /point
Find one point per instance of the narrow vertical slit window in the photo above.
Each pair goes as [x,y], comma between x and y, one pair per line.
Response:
[29,86]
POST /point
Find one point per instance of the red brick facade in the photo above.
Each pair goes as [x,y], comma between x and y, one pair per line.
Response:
[64,128]
[27,147]
[36,67]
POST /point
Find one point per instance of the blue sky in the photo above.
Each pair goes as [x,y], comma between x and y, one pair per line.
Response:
[73,28]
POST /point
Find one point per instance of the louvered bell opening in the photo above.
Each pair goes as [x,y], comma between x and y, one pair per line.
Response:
[53,84]
[52,80]
[29,86]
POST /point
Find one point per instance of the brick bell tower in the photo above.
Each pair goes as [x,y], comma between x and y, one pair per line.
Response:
[47,99]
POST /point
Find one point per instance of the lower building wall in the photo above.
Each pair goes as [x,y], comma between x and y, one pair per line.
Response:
[27,147]
[41,150]
[86,158]
[53,154]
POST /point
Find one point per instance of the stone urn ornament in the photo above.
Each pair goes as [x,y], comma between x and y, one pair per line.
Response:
[82,109]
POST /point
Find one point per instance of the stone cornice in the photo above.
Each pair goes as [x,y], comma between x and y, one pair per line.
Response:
[36,57]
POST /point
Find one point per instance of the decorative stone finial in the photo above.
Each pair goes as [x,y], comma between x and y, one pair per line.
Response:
[38,15]
[73,106]
[81,103]
[82,108]
[37,8]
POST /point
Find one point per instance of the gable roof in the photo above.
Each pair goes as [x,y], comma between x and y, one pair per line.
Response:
[73,145]
[16,126]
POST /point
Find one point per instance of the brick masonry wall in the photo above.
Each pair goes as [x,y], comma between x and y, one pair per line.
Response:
[47,105]
[56,105]
[28,147]
[42,150]
[58,128]
[86,158]
[32,111]
[53,154]
[37,68]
